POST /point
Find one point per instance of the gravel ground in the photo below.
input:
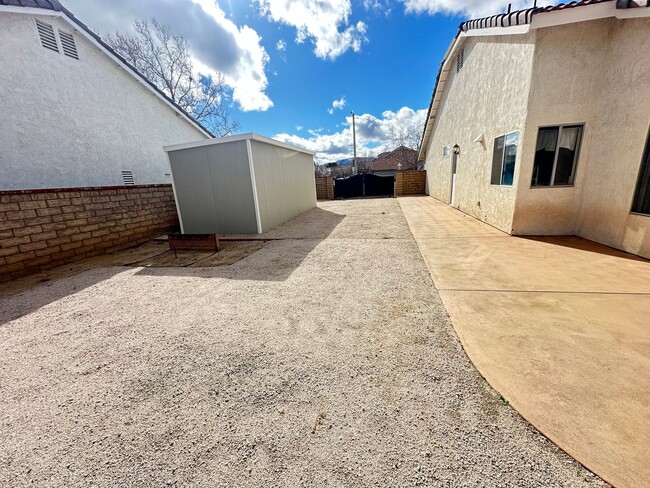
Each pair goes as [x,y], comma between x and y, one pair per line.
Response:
[323,359]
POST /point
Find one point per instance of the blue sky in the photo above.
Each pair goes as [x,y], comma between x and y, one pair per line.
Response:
[396,67]
[295,68]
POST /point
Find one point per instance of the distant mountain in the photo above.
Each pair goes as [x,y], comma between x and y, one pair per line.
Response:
[348,161]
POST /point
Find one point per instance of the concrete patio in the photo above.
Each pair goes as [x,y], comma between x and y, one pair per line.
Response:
[558,325]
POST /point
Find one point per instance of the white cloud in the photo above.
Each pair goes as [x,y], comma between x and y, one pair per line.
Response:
[374,135]
[318,21]
[468,8]
[281,45]
[377,6]
[340,103]
[217,44]
[337,105]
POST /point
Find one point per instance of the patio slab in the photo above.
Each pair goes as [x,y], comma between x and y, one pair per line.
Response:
[559,326]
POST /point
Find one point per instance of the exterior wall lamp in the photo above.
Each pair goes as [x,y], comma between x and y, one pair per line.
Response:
[456,149]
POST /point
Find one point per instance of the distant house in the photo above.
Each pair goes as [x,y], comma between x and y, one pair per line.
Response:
[401,158]
[74,113]
[539,122]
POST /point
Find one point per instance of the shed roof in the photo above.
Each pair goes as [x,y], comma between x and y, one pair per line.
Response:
[239,137]
[56,6]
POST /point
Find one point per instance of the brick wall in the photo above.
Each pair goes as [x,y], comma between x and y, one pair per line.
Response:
[410,182]
[40,229]
[325,188]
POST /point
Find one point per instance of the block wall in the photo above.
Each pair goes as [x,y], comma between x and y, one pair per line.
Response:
[41,229]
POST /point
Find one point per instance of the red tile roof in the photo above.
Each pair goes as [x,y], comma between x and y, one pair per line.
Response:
[521,17]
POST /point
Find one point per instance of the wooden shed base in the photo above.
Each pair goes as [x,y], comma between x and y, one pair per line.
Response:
[193,242]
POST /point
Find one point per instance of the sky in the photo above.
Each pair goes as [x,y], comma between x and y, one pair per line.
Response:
[295,69]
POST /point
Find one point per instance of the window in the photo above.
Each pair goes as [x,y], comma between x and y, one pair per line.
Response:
[504,159]
[460,59]
[556,155]
[46,35]
[641,202]
[127,177]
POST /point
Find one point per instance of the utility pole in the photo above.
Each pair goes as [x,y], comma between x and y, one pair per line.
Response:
[354,141]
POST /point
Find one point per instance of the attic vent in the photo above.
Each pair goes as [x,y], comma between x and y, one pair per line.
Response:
[46,33]
[127,177]
[460,59]
[68,45]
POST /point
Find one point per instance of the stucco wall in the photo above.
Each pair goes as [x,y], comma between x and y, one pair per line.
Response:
[593,72]
[617,145]
[566,89]
[488,96]
[67,122]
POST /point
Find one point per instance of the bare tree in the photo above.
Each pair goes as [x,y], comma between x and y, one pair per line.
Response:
[405,141]
[164,58]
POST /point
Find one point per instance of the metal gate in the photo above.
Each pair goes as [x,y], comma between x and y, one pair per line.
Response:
[364,185]
[379,185]
[348,187]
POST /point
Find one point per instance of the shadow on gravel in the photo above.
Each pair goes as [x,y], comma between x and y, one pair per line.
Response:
[52,291]
[291,244]
[288,246]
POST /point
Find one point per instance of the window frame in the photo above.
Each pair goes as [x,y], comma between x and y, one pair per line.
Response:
[503,157]
[576,159]
[645,161]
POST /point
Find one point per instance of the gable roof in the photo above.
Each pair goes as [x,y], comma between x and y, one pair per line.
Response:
[509,23]
[402,155]
[58,9]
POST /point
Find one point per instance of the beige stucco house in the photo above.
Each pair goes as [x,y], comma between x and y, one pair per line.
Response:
[539,122]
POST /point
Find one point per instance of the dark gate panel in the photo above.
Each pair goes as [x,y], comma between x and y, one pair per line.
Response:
[350,187]
[379,185]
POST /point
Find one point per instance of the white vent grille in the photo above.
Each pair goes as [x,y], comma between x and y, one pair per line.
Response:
[460,60]
[127,177]
[68,45]
[46,33]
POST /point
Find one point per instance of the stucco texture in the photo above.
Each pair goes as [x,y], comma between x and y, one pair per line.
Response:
[488,96]
[70,123]
[593,73]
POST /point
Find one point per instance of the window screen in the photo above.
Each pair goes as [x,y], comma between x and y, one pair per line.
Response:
[641,203]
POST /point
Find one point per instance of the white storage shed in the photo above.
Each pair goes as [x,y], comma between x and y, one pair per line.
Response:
[242,184]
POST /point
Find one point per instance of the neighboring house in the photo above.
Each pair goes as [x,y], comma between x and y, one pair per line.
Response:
[549,110]
[401,158]
[74,113]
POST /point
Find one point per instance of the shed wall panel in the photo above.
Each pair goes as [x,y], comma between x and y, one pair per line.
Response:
[285,183]
[213,189]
